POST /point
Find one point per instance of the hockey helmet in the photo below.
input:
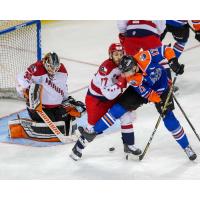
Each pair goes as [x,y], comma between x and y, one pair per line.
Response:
[115,47]
[51,62]
[127,63]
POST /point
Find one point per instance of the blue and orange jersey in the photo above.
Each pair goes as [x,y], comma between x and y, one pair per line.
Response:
[152,76]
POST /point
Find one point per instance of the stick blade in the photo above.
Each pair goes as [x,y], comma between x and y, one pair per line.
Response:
[141,157]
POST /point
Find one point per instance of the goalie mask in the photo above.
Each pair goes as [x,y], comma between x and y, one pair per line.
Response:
[51,63]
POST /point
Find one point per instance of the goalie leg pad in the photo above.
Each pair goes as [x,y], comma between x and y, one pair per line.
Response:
[25,128]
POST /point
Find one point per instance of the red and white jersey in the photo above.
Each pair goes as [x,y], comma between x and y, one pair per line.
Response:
[103,84]
[141,28]
[54,88]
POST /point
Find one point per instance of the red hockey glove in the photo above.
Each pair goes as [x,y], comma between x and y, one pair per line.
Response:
[121,82]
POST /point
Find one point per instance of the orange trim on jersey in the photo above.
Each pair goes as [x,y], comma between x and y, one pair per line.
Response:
[169,53]
[137,78]
[144,59]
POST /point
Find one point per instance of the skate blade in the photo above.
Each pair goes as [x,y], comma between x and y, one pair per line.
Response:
[193,157]
[74,157]
[131,156]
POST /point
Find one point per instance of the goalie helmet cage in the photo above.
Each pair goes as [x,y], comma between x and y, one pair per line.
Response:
[20,46]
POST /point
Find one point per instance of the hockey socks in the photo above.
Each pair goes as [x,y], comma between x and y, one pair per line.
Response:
[178,48]
[128,138]
[109,118]
[173,125]
[78,147]
[81,143]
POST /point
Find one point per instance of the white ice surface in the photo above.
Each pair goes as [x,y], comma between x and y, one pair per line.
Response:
[88,41]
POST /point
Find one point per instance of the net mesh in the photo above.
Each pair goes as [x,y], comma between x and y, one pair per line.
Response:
[18,49]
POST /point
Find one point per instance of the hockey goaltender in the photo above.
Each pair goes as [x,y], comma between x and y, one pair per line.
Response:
[52,112]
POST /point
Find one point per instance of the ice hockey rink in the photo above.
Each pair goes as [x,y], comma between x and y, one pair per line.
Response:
[82,46]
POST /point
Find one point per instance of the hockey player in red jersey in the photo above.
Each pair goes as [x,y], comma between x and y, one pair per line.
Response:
[56,103]
[135,35]
[103,92]
[105,85]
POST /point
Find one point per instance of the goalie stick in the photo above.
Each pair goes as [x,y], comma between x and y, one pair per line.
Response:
[35,94]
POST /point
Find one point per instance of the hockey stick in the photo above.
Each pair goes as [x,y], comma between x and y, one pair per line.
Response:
[184,114]
[53,127]
[159,119]
[35,94]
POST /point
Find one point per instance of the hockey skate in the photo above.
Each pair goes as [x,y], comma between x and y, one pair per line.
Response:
[131,150]
[89,136]
[190,153]
[76,153]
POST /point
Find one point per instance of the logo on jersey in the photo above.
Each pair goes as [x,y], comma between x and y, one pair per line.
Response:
[103,70]
[143,57]
[155,75]
[56,88]
[134,33]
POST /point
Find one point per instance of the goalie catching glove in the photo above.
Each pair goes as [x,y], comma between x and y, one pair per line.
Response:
[74,108]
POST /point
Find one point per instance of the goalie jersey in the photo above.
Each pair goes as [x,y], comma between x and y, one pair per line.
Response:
[55,86]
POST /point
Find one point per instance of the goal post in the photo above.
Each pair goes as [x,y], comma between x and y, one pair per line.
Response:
[20,46]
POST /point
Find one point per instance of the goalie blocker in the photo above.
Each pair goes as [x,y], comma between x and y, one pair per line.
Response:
[62,120]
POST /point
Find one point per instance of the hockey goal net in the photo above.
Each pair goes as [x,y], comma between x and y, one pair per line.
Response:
[19,47]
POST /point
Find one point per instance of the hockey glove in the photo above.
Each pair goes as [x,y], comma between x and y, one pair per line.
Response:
[74,108]
[70,100]
[176,66]
[197,35]
[121,82]
[154,97]
[121,38]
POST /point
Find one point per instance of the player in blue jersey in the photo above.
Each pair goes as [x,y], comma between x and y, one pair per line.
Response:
[148,83]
